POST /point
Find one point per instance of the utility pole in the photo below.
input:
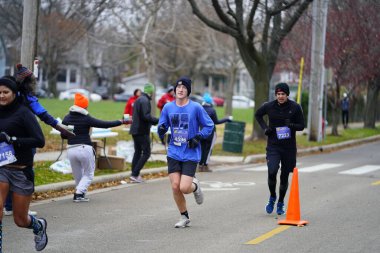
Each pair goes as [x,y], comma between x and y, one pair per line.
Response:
[314,122]
[29,33]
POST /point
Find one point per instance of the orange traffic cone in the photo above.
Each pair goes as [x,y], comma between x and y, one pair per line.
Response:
[293,214]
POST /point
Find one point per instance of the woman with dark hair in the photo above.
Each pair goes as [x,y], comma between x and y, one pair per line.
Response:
[20,133]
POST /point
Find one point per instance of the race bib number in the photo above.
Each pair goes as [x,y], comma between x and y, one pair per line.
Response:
[283,133]
[7,154]
[180,136]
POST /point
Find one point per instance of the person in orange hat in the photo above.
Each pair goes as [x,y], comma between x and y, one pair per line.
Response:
[80,151]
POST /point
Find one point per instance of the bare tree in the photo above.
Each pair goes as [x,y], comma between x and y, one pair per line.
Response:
[258,28]
[62,26]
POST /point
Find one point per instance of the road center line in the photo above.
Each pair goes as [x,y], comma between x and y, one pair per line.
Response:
[267,235]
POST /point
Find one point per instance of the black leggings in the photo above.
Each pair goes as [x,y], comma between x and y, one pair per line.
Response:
[142,153]
[287,158]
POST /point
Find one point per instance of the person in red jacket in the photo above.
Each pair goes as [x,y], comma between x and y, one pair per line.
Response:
[166,98]
[129,105]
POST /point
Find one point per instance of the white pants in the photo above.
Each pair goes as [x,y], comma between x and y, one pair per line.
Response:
[82,160]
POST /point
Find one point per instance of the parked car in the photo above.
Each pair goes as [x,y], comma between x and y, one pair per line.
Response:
[218,101]
[70,93]
[242,102]
[102,91]
[122,97]
[196,98]
[41,93]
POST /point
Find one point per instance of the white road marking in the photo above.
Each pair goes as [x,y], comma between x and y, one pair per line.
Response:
[263,168]
[319,167]
[219,189]
[258,168]
[361,170]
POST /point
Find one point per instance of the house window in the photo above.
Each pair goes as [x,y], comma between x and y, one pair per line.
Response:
[61,76]
[73,76]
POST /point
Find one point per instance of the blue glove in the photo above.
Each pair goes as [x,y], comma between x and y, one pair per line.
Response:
[161,130]
[193,142]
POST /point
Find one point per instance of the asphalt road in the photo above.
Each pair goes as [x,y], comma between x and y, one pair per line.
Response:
[339,197]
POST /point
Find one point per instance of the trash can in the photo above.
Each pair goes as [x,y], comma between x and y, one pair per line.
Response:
[234,136]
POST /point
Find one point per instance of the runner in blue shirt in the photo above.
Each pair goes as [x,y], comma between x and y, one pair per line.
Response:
[189,123]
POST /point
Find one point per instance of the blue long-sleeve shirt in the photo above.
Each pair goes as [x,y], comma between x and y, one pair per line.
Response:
[185,122]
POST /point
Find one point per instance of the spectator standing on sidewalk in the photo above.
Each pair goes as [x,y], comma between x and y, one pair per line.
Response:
[285,117]
[131,101]
[208,143]
[20,133]
[189,124]
[79,150]
[345,106]
[166,98]
[142,121]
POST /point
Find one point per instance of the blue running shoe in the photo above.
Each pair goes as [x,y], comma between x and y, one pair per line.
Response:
[270,206]
[280,208]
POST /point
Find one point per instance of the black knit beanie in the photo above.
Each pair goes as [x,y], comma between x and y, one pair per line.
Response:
[8,82]
[284,87]
[184,81]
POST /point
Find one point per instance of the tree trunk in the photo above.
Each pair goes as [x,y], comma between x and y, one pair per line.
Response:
[335,109]
[370,110]
[230,90]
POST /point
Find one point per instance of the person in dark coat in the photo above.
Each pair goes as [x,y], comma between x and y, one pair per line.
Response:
[208,144]
[79,150]
[142,120]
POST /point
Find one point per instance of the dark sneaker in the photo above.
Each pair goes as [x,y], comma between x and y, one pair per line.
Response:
[206,169]
[183,222]
[270,206]
[280,208]
[41,239]
[80,197]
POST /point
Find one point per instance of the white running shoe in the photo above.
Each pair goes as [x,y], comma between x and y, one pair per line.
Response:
[183,222]
[138,179]
[198,194]
[10,213]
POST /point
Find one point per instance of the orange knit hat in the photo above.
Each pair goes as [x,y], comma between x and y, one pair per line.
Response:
[80,100]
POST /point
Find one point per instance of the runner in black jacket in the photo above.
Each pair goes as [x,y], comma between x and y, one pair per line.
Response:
[285,118]
[20,133]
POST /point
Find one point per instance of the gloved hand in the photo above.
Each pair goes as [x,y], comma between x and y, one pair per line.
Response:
[64,130]
[4,137]
[193,142]
[288,123]
[161,130]
[268,131]
[230,118]
[126,121]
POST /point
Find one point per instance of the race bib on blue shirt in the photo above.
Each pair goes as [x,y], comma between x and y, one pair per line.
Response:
[7,154]
[180,125]
[283,133]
